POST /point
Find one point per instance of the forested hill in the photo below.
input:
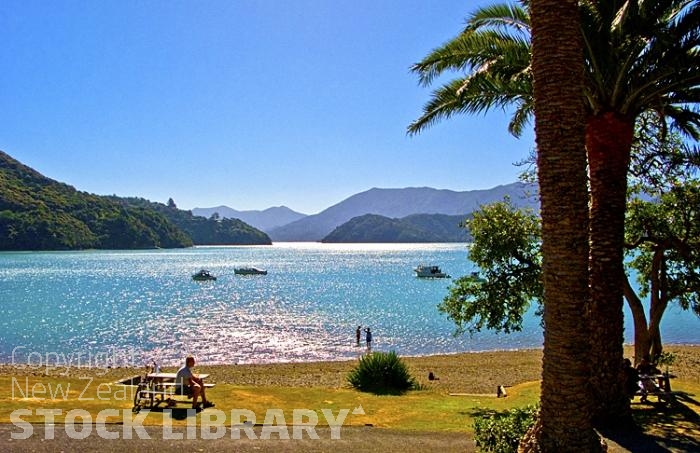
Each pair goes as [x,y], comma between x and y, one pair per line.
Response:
[414,228]
[205,231]
[39,213]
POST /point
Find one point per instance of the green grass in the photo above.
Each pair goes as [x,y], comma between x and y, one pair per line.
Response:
[415,410]
[420,410]
[678,420]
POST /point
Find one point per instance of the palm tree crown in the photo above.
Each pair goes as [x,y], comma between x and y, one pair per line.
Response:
[640,56]
[494,53]
[644,55]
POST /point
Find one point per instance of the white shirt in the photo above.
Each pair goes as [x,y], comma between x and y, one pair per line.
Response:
[182,378]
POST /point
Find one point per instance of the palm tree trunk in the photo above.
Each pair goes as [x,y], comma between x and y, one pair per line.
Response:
[564,423]
[608,142]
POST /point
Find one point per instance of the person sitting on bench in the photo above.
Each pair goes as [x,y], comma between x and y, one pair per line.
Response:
[646,383]
[190,384]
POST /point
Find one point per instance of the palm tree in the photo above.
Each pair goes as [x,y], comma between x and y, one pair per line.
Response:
[639,57]
[564,422]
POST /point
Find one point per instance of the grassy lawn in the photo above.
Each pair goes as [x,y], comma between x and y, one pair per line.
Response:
[416,410]
[679,421]
[424,410]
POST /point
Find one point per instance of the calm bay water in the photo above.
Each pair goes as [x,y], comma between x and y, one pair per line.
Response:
[133,307]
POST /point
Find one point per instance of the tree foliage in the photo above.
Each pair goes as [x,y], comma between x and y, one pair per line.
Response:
[664,240]
[506,249]
[639,57]
[663,243]
[662,233]
[500,432]
[493,53]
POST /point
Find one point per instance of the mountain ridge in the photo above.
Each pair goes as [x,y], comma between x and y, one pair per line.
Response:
[399,203]
[37,212]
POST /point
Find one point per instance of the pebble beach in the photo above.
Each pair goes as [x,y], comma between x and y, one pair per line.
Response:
[472,372]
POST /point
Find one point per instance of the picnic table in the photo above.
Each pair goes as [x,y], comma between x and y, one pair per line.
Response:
[161,388]
[661,386]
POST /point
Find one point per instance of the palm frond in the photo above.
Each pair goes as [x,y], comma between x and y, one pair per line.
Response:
[474,94]
[509,18]
[467,52]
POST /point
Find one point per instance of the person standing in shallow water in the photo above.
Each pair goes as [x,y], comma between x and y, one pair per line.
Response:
[368,338]
[358,334]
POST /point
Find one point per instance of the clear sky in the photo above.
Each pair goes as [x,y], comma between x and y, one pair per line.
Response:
[247,103]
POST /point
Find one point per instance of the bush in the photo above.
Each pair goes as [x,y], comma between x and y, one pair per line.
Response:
[381,373]
[501,432]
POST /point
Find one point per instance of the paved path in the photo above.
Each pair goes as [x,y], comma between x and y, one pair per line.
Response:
[352,439]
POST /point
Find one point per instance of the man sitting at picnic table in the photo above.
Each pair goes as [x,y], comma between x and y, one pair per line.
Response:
[647,385]
[190,384]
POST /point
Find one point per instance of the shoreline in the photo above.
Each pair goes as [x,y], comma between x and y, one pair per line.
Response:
[361,351]
[466,372]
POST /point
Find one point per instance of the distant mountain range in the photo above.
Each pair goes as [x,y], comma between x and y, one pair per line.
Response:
[38,213]
[394,206]
[265,220]
[400,203]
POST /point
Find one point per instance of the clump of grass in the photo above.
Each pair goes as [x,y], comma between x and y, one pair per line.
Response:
[381,373]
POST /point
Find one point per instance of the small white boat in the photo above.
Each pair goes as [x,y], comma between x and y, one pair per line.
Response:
[424,271]
[203,276]
[249,271]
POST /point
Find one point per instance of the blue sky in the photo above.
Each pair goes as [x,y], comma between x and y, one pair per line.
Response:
[247,103]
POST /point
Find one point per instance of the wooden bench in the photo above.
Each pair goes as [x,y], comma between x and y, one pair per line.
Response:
[662,387]
[160,388]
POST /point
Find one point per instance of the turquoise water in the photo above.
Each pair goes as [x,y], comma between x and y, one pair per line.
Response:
[133,307]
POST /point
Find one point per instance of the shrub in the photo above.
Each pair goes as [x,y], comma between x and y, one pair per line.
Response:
[666,358]
[501,432]
[381,373]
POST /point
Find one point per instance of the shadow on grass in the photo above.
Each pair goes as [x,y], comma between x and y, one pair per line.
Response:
[175,412]
[672,426]
[478,412]
[658,426]
[384,391]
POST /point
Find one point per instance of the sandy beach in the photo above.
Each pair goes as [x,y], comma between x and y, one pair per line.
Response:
[478,372]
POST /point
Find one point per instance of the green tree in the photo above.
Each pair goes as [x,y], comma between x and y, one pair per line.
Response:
[666,238]
[662,241]
[663,244]
[506,250]
[639,57]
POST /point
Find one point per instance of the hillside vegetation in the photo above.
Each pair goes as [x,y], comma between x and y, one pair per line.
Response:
[413,228]
[205,231]
[39,213]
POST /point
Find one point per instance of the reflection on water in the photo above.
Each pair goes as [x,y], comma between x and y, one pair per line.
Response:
[138,306]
